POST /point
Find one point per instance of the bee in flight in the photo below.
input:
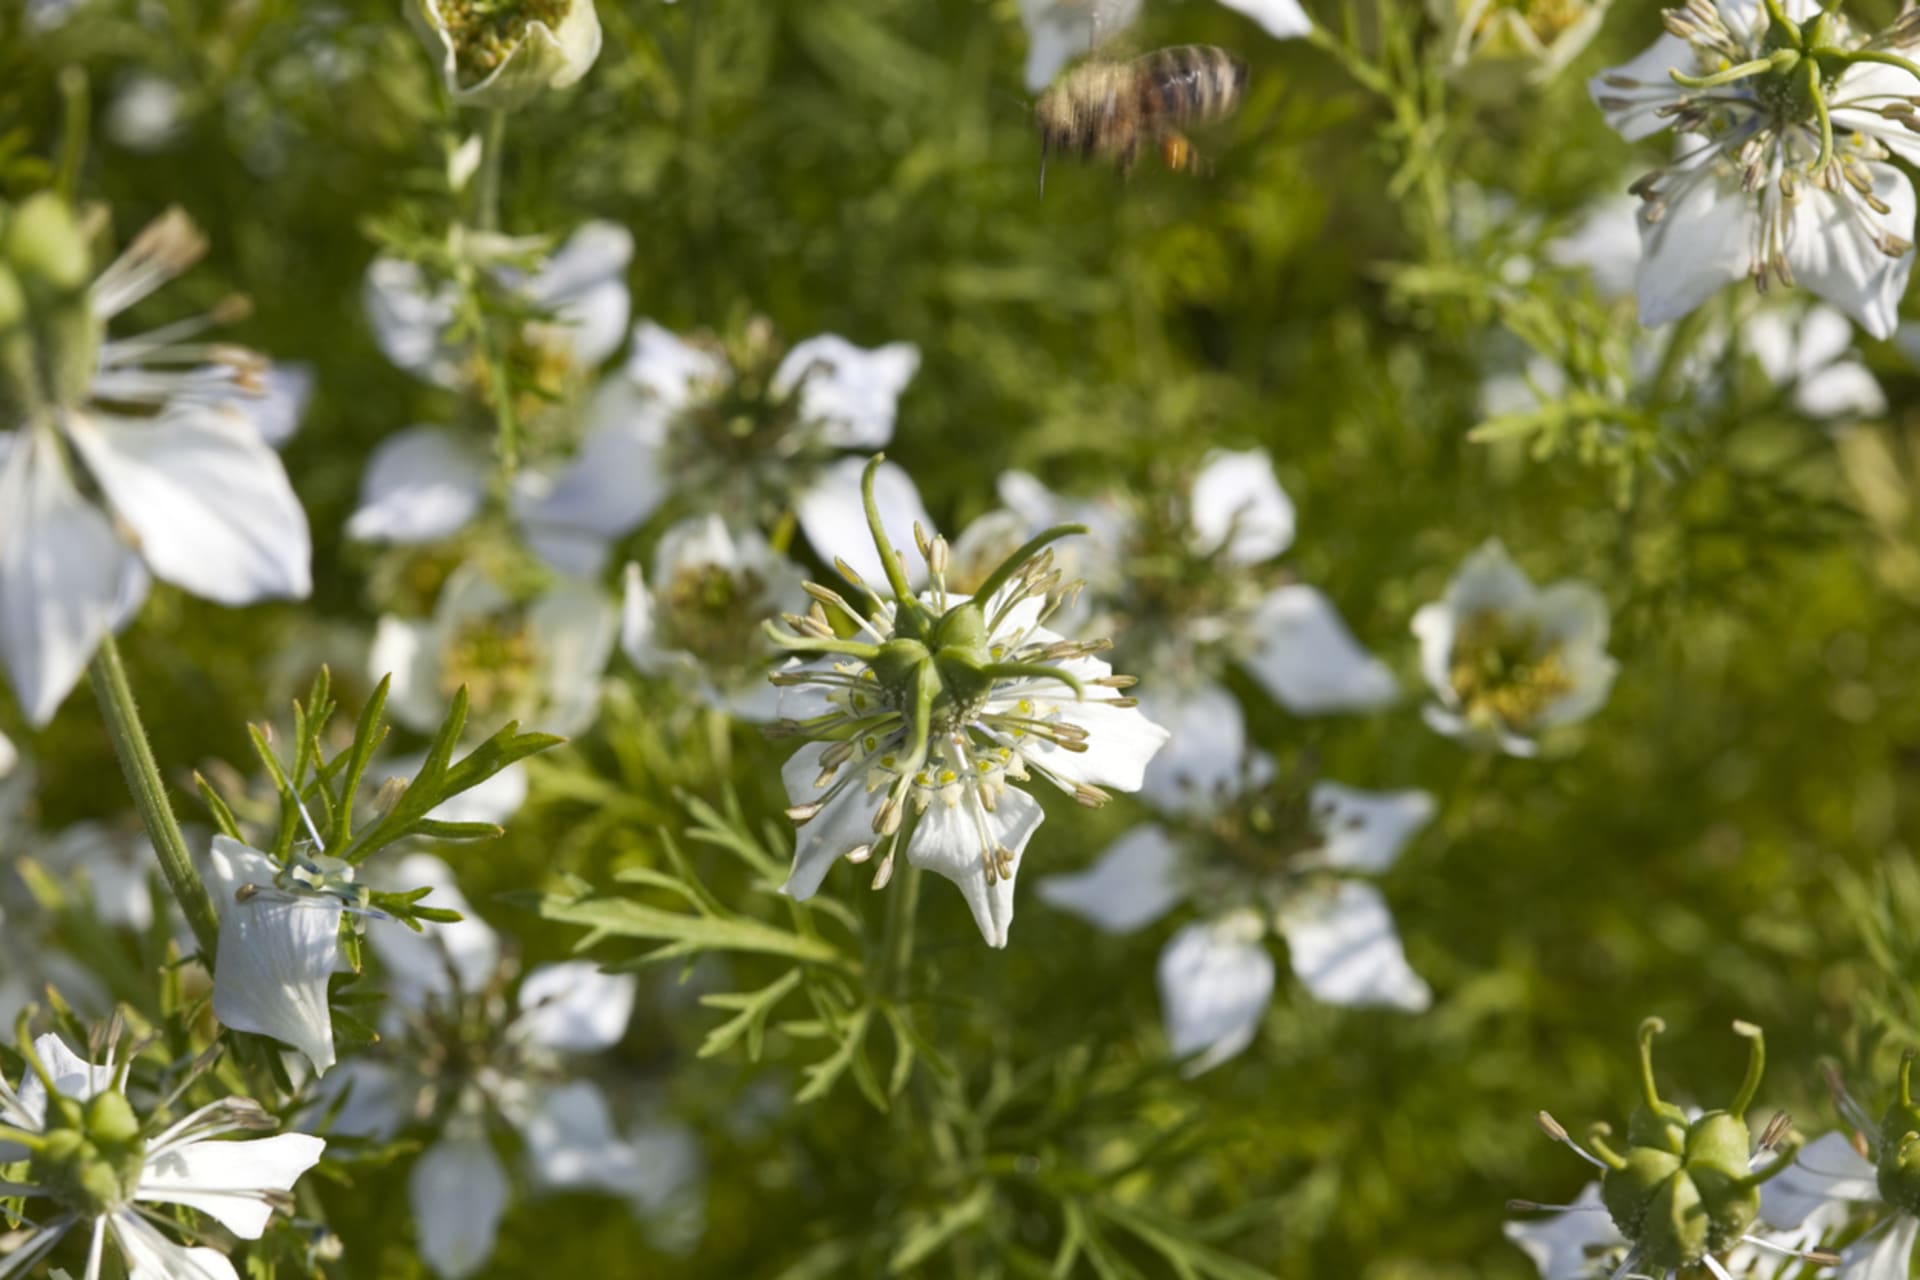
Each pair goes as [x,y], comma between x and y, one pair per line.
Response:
[1107,108]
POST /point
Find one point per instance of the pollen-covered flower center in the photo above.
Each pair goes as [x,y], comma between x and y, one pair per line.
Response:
[541,372]
[743,442]
[710,610]
[1547,19]
[495,657]
[486,32]
[1261,847]
[1505,671]
[1176,603]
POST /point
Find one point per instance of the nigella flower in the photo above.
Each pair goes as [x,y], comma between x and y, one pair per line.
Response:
[1501,46]
[1832,1184]
[460,1057]
[1578,1241]
[747,429]
[1786,119]
[1059,31]
[427,482]
[1508,660]
[1189,586]
[1684,1196]
[700,619]
[112,1174]
[1281,859]
[1809,351]
[920,726]
[127,456]
[504,55]
[537,661]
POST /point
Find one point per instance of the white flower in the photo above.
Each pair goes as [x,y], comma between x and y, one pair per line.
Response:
[1059,31]
[458,1058]
[1810,352]
[757,436]
[1507,660]
[701,620]
[504,55]
[1753,190]
[178,483]
[184,1164]
[1212,558]
[536,663]
[1295,872]
[115,863]
[1574,1242]
[926,721]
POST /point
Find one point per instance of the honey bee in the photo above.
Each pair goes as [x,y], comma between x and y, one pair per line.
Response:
[1106,108]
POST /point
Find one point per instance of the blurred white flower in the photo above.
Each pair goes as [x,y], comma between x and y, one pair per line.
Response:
[537,662]
[116,863]
[1189,590]
[1809,351]
[1299,871]
[457,1059]
[1509,661]
[187,490]
[1752,191]
[1058,31]
[918,727]
[136,1163]
[505,55]
[145,113]
[755,433]
[1830,1185]
[701,621]
[1497,47]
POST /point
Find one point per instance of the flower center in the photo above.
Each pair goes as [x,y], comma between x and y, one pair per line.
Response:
[486,32]
[711,611]
[495,657]
[1505,672]
[93,1153]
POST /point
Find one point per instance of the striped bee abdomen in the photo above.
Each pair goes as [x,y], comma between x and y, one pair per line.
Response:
[1189,83]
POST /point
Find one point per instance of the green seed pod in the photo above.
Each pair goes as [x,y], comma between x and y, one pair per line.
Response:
[44,245]
[93,1153]
[1899,1167]
[46,253]
[1685,1189]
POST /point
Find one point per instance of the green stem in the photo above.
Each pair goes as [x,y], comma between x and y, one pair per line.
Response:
[1013,563]
[115,696]
[1826,120]
[73,143]
[1778,17]
[896,944]
[889,557]
[486,210]
[1887,59]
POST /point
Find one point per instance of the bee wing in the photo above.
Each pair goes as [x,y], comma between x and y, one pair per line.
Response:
[1060,31]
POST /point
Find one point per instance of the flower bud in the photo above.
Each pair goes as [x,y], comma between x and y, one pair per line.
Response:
[504,54]
[44,252]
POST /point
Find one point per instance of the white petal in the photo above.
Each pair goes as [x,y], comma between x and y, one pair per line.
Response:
[1283,19]
[1365,830]
[1606,241]
[1120,743]
[276,955]
[224,1180]
[1563,1244]
[208,499]
[410,653]
[699,543]
[572,1141]
[276,415]
[1871,85]
[1639,116]
[575,627]
[584,282]
[116,864]
[1308,660]
[1574,615]
[949,840]
[459,1193]
[1487,582]
[378,1100]
[418,965]
[852,391]
[1827,1169]
[420,485]
[1843,389]
[668,369]
[1215,981]
[73,1077]
[1831,256]
[1130,886]
[1888,1259]
[1062,30]
[637,627]
[1702,243]
[151,1256]
[575,1007]
[842,826]
[410,319]
[1205,750]
[1344,949]
[835,521]
[616,481]
[1238,505]
[61,570]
